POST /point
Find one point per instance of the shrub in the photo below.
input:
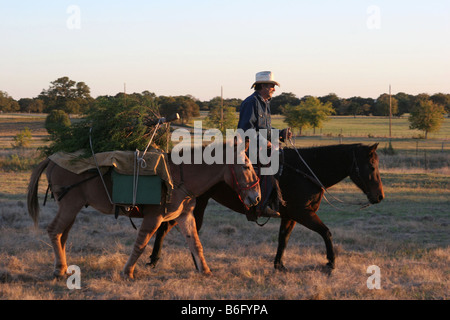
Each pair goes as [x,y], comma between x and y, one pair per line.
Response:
[22,160]
[56,122]
[22,139]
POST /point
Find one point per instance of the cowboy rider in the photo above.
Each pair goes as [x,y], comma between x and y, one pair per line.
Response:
[255,114]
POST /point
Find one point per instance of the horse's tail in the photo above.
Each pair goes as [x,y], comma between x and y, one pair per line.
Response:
[32,196]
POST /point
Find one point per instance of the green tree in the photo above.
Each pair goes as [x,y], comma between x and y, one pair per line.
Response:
[185,106]
[285,98]
[7,103]
[56,122]
[334,99]
[67,95]
[217,101]
[31,105]
[317,111]
[382,105]
[405,102]
[222,120]
[310,113]
[427,116]
[355,106]
[442,99]
[296,117]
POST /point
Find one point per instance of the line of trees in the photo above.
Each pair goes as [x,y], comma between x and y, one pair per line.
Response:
[426,111]
[401,103]
[75,98]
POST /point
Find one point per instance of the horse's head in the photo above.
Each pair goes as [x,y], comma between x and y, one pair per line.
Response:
[241,176]
[365,174]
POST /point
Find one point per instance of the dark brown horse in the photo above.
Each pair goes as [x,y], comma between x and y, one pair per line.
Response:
[192,181]
[301,191]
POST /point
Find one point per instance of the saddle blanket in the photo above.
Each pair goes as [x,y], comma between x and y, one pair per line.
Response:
[124,162]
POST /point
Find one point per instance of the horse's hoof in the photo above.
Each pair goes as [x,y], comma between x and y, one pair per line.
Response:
[281,268]
[58,275]
[328,268]
[127,276]
[207,273]
[152,263]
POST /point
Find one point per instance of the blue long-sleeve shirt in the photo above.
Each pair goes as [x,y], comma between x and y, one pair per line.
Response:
[255,114]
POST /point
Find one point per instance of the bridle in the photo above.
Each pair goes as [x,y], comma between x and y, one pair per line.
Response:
[358,174]
[238,188]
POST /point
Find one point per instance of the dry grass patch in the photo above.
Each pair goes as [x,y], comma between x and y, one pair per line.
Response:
[406,236]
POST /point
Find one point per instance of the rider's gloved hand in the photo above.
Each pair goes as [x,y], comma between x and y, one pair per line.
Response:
[285,134]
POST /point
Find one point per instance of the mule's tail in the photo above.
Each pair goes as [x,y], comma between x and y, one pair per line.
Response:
[32,196]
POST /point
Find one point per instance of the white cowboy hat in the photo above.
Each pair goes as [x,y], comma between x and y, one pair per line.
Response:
[265,77]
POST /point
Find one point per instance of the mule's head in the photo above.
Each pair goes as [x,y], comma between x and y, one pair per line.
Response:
[241,176]
[365,174]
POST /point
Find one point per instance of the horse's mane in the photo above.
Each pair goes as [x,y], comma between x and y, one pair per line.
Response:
[332,147]
[324,154]
[319,150]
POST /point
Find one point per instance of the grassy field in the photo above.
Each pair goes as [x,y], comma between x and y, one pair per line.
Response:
[378,127]
[406,236]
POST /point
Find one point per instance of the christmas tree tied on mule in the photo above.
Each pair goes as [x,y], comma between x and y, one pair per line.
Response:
[115,123]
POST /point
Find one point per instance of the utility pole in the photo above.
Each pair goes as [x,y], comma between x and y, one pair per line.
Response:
[125,92]
[390,114]
[221,108]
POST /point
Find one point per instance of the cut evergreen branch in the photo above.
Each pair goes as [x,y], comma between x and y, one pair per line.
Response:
[118,123]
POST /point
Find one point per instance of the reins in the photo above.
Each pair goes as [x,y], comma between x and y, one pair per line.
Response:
[316,180]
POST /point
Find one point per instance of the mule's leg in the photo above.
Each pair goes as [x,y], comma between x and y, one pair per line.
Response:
[163,230]
[65,235]
[58,232]
[313,222]
[284,234]
[186,221]
[161,233]
[150,224]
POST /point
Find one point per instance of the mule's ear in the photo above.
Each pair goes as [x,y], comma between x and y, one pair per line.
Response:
[247,144]
[373,148]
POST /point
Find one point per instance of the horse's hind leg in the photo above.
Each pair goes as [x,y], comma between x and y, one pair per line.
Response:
[58,231]
[186,221]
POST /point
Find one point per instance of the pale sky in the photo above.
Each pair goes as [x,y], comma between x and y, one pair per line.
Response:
[351,48]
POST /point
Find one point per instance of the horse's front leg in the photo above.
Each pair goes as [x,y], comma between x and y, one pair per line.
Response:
[286,227]
[313,222]
[186,221]
[150,223]
[163,230]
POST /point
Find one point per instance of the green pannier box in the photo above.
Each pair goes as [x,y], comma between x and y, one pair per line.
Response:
[148,190]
